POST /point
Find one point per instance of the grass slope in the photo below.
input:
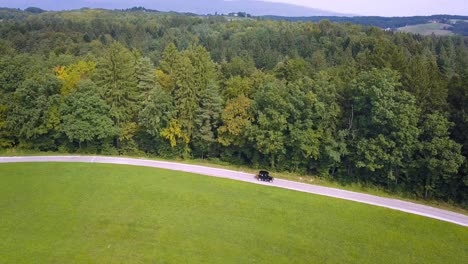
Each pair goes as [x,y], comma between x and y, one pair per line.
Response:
[309,179]
[96,213]
[427,29]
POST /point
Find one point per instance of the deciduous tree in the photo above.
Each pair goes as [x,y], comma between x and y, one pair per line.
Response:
[85,116]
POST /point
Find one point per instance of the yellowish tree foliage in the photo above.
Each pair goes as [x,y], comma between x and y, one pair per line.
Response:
[72,74]
[174,132]
[164,80]
[4,141]
[236,118]
[128,131]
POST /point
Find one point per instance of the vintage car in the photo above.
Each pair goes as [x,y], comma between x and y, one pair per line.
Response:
[264,176]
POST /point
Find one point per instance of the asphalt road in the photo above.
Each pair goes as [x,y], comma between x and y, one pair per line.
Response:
[408,207]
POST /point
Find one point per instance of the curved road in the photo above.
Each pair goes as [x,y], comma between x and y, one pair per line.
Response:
[408,207]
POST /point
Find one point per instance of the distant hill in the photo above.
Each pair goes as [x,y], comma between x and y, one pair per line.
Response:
[254,7]
[382,22]
[455,24]
[425,25]
[427,29]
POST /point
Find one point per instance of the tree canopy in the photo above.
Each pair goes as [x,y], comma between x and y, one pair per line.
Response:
[347,102]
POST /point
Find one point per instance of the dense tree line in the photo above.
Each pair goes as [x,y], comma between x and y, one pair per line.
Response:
[345,102]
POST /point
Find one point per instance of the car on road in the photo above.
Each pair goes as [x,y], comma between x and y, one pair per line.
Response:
[264,176]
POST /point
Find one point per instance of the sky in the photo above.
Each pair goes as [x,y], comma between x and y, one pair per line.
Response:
[387,7]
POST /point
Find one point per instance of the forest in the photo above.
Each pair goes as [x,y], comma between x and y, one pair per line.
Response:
[344,102]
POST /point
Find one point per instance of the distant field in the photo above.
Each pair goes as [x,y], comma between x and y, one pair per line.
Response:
[97,213]
[428,29]
[453,21]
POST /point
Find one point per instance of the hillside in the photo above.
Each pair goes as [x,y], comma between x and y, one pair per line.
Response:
[455,24]
[97,213]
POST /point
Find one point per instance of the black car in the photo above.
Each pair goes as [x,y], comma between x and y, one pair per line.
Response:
[264,176]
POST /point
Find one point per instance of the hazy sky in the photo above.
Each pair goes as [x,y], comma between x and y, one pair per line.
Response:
[387,7]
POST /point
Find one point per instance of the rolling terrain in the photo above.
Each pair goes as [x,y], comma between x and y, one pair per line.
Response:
[442,25]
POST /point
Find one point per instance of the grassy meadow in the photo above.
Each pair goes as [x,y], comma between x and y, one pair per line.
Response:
[97,213]
[427,29]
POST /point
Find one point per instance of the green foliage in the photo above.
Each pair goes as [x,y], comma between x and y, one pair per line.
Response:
[207,119]
[146,77]
[169,59]
[117,82]
[158,110]
[236,118]
[438,158]
[268,132]
[424,81]
[85,116]
[342,101]
[292,69]
[185,94]
[35,110]
[384,128]
[12,73]
[237,86]
[239,66]
[118,85]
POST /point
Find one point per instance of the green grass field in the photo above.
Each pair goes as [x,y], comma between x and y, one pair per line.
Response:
[428,29]
[309,179]
[95,213]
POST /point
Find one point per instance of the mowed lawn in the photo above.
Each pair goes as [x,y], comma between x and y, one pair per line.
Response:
[96,213]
